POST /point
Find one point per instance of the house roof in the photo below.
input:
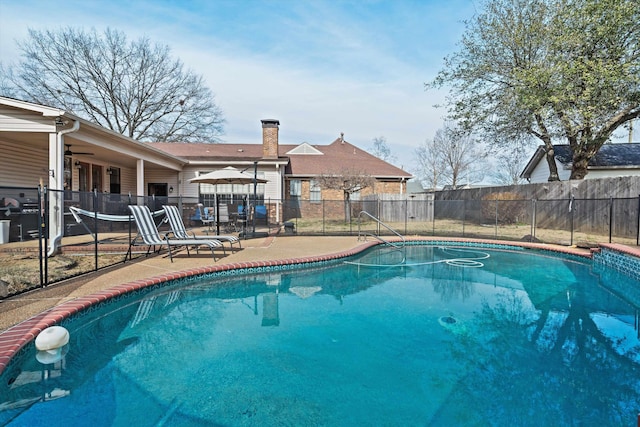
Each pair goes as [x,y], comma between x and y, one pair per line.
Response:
[312,160]
[338,157]
[610,156]
[212,152]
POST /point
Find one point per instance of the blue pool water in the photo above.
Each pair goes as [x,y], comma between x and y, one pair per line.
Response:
[433,336]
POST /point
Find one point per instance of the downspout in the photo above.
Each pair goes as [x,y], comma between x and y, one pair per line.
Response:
[55,240]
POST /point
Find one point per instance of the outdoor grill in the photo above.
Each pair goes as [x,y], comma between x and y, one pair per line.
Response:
[23,213]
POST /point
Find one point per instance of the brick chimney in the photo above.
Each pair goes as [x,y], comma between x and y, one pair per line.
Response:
[270,138]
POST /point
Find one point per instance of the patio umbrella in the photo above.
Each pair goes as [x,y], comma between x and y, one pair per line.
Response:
[228,175]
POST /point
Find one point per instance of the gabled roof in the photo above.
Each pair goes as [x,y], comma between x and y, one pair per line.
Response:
[338,157]
[304,148]
[610,156]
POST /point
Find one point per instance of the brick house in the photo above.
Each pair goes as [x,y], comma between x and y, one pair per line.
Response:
[293,170]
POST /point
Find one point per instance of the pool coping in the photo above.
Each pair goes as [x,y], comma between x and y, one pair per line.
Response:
[17,337]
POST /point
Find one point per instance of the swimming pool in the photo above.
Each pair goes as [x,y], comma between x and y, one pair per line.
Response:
[435,335]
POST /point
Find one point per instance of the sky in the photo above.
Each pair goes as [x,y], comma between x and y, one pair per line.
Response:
[320,67]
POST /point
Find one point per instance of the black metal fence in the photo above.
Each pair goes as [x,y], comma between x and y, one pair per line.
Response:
[96,243]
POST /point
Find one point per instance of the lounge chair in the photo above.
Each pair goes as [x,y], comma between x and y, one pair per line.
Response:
[148,235]
[180,232]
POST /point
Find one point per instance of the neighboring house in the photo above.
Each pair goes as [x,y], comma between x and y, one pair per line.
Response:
[414,186]
[292,170]
[612,160]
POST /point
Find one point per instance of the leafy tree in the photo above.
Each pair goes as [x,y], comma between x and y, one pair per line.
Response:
[381,149]
[135,88]
[451,158]
[348,181]
[553,69]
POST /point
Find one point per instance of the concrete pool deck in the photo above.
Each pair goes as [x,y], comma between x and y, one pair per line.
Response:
[23,316]
[16,309]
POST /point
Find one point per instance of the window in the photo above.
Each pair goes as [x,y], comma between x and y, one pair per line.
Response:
[315,193]
[295,188]
[114,180]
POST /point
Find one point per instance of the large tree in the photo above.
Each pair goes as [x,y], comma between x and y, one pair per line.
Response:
[134,88]
[559,70]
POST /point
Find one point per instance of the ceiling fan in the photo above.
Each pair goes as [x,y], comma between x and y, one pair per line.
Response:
[68,151]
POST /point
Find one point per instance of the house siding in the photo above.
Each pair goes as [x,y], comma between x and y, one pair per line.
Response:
[273,188]
[541,172]
[26,167]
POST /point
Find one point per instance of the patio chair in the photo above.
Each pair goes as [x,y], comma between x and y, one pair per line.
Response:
[180,231]
[148,235]
[203,215]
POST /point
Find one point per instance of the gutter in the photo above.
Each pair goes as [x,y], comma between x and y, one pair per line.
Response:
[56,240]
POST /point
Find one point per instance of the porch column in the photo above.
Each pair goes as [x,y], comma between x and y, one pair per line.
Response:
[56,197]
[139,178]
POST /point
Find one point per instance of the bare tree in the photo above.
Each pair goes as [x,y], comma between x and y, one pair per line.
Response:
[508,168]
[348,181]
[381,149]
[510,160]
[451,158]
[429,165]
[135,88]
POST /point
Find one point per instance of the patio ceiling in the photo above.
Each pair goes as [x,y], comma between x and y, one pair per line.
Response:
[106,148]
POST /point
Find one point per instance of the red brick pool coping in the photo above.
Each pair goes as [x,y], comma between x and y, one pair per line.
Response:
[15,338]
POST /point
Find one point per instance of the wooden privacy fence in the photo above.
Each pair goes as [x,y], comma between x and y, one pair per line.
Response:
[397,208]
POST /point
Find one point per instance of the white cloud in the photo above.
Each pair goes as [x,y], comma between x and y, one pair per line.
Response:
[320,67]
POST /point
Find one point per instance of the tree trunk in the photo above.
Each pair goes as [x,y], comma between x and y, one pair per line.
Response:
[548,146]
[347,207]
[551,162]
[582,154]
[580,166]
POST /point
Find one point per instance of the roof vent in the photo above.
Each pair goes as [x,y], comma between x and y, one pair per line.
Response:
[342,137]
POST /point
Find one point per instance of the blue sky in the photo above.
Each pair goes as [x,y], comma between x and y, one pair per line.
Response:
[320,67]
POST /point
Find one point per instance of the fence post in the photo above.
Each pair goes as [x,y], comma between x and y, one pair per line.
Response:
[533,220]
[433,217]
[95,228]
[130,250]
[464,212]
[43,211]
[406,214]
[378,214]
[496,227]
[323,218]
[638,223]
[571,209]
[610,218]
